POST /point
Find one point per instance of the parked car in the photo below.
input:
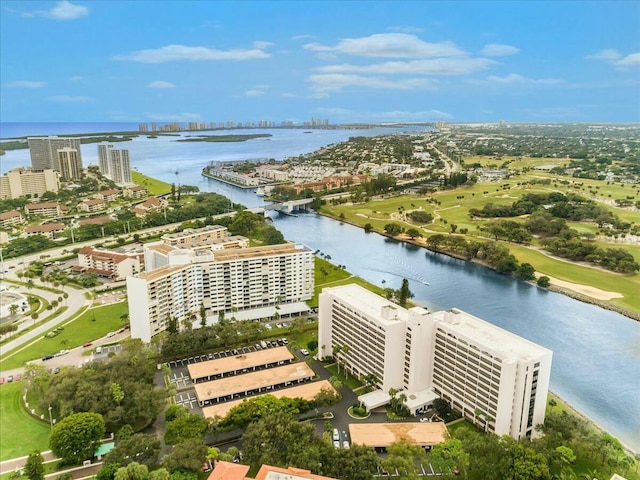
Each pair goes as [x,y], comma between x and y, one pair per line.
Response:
[111,334]
[336,444]
[56,370]
[345,444]
[47,357]
[10,379]
[304,351]
[88,344]
[424,420]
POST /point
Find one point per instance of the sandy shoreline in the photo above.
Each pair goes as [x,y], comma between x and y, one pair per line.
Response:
[587,290]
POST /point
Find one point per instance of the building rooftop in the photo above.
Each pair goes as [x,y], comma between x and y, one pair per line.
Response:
[161,248]
[160,272]
[10,214]
[239,362]
[49,227]
[228,471]
[252,381]
[93,201]
[369,302]
[267,472]
[189,232]
[384,434]
[35,206]
[256,252]
[306,391]
[495,340]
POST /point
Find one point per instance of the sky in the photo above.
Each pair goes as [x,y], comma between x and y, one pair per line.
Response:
[346,61]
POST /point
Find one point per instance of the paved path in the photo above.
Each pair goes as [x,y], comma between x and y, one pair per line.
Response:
[11,465]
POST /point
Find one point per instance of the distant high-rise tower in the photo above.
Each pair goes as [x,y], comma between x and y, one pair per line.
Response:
[44,151]
[115,164]
[70,163]
[104,159]
[120,167]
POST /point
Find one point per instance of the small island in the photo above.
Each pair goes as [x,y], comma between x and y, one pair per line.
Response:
[225,138]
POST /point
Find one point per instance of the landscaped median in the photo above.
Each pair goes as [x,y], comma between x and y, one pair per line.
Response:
[88,325]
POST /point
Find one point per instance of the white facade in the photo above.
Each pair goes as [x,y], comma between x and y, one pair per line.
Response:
[24,181]
[115,164]
[242,279]
[495,378]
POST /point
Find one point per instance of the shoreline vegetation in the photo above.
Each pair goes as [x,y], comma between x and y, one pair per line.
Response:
[224,138]
[563,287]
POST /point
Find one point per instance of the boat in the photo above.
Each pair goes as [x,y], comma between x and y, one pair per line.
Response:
[260,192]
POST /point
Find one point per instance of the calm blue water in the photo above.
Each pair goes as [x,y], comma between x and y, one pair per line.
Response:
[596,364]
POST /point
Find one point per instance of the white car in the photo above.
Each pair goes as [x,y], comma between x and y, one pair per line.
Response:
[304,351]
[424,420]
[345,444]
[336,444]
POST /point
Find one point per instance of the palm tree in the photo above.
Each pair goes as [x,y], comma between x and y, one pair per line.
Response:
[345,349]
[336,350]
[13,309]
[30,284]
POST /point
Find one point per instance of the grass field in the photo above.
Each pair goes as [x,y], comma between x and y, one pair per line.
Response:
[454,206]
[21,433]
[153,186]
[92,324]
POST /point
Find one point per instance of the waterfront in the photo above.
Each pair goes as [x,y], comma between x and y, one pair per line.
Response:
[596,364]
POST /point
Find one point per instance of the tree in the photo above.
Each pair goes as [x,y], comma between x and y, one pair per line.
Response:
[413,233]
[117,394]
[133,471]
[33,468]
[188,455]
[108,471]
[190,426]
[525,272]
[13,309]
[543,282]
[142,448]
[203,315]
[404,293]
[76,437]
[449,456]
[368,228]
[404,457]
[393,229]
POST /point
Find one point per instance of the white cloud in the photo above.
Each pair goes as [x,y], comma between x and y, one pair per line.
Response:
[436,66]
[516,79]
[499,50]
[161,84]
[289,95]
[302,37]
[26,84]
[399,45]
[64,10]
[408,29]
[336,82]
[71,99]
[262,45]
[404,116]
[173,117]
[607,54]
[617,59]
[75,78]
[172,53]
[257,91]
[631,60]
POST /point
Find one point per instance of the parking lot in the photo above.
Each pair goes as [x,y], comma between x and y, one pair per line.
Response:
[179,374]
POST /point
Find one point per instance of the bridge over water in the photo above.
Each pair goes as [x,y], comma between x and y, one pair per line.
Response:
[288,208]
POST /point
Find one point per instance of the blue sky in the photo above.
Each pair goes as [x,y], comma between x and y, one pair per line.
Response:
[348,61]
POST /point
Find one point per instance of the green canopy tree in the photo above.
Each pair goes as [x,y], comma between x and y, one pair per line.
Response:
[33,468]
[76,437]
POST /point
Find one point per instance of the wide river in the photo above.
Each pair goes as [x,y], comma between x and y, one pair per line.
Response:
[596,362]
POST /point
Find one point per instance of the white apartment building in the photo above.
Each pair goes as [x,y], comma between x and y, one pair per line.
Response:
[495,378]
[246,283]
[44,151]
[114,264]
[115,164]
[21,182]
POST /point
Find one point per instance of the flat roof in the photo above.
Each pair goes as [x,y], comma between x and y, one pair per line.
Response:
[384,434]
[253,380]
[375,399]
[306,391]
[256,252]
[270,311]
[368,302]
[161,272]
[239,362]
[488,337]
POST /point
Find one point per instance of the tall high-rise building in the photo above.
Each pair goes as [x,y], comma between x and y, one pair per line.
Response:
[70,163]
[104,159]
[497,379]
[229,280]
[115,164]
[44,151]
[120,167]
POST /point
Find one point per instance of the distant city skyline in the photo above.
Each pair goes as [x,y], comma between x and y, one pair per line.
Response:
[358,61]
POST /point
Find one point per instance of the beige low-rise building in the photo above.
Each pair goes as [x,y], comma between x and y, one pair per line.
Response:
[50,230]
[109,195]
[11,218]
[135,191]
[47,209]
[116,265]
[92,205]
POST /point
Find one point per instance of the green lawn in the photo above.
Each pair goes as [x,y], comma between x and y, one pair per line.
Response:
[153,186]
[350,382]
[92,324]
[21,433]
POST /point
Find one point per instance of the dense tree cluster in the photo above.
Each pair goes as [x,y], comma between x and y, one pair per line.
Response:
[133,400]
[420,216]
[282,441]
[76,437]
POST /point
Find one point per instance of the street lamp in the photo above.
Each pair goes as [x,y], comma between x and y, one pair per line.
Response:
[50,418]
